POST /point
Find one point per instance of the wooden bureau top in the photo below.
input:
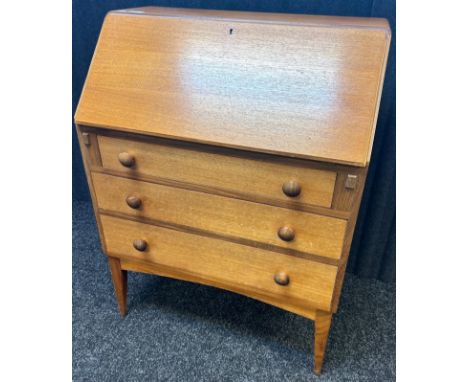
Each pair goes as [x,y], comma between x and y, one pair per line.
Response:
[293,85]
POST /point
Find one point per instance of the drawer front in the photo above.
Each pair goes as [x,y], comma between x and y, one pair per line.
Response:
[259,178]
[315,234]
[222,263]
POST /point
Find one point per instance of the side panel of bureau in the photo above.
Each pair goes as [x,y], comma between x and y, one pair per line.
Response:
[314,234]
[261,178]
[224,264]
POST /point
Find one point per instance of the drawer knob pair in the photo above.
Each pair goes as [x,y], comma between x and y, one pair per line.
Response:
[126,159]
[286,233]
[291,188]
[140,245]
[133,201]
[281,278]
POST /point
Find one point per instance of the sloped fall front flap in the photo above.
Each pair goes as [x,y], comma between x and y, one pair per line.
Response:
[293,85]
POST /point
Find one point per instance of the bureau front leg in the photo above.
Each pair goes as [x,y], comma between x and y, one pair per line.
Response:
[119,279]
[322,328]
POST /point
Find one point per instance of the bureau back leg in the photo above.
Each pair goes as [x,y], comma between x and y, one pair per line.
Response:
[119,279]
[322,328]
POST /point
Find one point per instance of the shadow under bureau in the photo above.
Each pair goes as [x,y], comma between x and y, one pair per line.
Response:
[231,149]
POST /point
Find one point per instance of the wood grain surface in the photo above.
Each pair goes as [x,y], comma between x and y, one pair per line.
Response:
[315,234]
[221,263]
[304,90]
[261,178]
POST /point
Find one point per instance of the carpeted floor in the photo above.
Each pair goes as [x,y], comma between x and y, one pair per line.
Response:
[178,331]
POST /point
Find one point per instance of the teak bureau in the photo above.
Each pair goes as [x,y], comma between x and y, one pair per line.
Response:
[231,149]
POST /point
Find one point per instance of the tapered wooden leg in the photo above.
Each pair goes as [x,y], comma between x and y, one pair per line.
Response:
[119,278]
[322,328]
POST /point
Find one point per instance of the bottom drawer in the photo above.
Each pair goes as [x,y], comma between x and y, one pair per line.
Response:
[223,264]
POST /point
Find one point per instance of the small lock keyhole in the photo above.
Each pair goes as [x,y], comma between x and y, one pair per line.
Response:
[231,30]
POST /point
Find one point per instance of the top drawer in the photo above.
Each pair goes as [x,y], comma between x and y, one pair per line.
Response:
[274,179]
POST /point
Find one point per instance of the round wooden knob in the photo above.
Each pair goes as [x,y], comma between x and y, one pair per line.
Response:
[281,278]
[126,159]
[291,188]
[286,233]
[133,201]
[140,245]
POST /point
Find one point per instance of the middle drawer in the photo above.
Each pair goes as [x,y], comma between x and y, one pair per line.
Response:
[301,231]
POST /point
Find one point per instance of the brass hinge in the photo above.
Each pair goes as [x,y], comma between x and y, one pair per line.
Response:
[351,182]
[86,140]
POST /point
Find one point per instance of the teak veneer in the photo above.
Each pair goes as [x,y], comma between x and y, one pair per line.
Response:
[231,149]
